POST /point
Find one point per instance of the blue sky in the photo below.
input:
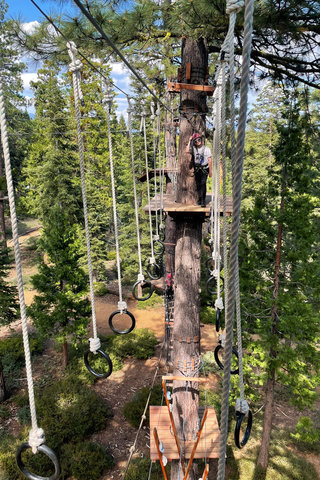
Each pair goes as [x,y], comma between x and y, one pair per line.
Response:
[25,10]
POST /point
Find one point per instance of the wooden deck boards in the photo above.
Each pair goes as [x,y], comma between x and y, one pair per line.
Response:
[208,445]
[173,208]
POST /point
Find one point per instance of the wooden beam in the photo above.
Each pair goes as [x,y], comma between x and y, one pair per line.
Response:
[173,426]
[156,439]
[184,379]
[175,87]
[205,473]
[196,444]
[188,71]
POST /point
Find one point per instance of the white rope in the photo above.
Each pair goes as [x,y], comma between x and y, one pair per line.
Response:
[161,164]
[36,434]
[75,68]
[237,186]
[108,97]
[140,276]
[143,124]
[155,139]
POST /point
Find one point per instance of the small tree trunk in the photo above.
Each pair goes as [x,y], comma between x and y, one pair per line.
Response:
[263,458]
[65,354]
[3,391]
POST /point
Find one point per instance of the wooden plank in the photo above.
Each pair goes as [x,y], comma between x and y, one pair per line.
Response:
[196,444]
[177,87]
[208,444]
[188,71]
[156,439]
[185,379]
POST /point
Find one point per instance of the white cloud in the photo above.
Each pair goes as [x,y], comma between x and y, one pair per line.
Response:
[30,27]
[26,79]
[118,69]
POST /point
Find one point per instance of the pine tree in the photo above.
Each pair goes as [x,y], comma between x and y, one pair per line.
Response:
[280,271]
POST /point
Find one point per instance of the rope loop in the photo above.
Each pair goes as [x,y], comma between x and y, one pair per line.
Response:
[242,406]
[122,306]
[36,438]
[219,303]
[95,344]
[234,6]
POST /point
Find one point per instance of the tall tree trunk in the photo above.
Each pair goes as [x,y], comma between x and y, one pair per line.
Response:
[65,354]
[263,458]
[3,391]
[186,356]
[3,238]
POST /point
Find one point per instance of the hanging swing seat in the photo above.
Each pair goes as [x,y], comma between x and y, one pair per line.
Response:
[158,172]
[208,446]
[171,207]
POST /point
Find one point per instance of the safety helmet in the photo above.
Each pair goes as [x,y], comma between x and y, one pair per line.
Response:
[195,136]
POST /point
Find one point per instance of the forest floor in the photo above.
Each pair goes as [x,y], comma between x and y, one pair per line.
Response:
[120,387]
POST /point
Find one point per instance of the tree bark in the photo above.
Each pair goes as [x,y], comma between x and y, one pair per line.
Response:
[3,391]
[186,356]
[65,354]
[263,457]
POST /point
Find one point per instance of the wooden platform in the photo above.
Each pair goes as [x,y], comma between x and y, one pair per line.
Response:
[158,171]
[173,208]
[208,444]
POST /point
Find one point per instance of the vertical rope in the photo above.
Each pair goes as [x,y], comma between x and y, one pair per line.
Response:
[143,118]
[224,184]
[121,304]
[238,169]
[134,186]
[155,139]
[36,434]
[75,67]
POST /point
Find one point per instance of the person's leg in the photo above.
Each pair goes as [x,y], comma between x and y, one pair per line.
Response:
[198,178]
[204,189]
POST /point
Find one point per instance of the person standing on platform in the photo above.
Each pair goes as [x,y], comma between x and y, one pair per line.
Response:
[202,162]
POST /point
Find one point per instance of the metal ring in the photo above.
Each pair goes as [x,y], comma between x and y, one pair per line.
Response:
[122,332]
[240,416]
[143,285]
[44,449]
[154,271]
[91,370]
[209,281]
[210,263]
[220,364]
[158,247]
[218,315]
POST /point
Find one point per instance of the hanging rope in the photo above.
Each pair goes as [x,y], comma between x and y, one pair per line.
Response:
[155,139]
[95,344]
[237,187]
[36,435]
[140,280]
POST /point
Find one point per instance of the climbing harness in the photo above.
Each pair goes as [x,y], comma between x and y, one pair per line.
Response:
[237,168]
[95,344]
[141,284]
[36,439]
[122,305]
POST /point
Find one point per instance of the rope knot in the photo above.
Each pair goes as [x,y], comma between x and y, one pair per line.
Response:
[140,277]
[95,344]
[36,438]
[219,303]
[132,449]
[75,66]
[122,306]
[242,406]
[222,339]
[234,6]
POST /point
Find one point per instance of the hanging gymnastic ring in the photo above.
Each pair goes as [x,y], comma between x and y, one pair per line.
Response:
[143,284]
[209,261]
[122,332]
[32,476]
[239,417]
[158,247]
[218,316]
[91,370]
[154,271]
[220,364]
[209,281]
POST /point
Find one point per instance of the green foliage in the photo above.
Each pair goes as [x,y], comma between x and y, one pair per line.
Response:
[8,294]
[153,301]
[306,432]
[139,343]
[13,346]
[4,412]
[78,368]
[85,460]
[139,469]
[24,415]
[68,410]
[100,289]
[133,410]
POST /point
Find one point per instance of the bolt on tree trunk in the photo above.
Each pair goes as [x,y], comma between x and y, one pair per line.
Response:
[186,356]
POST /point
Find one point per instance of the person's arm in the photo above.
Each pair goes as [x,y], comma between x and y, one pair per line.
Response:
[188,147]
[210,166]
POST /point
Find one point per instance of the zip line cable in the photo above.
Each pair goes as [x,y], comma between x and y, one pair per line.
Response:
[116,50]
[57,29]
